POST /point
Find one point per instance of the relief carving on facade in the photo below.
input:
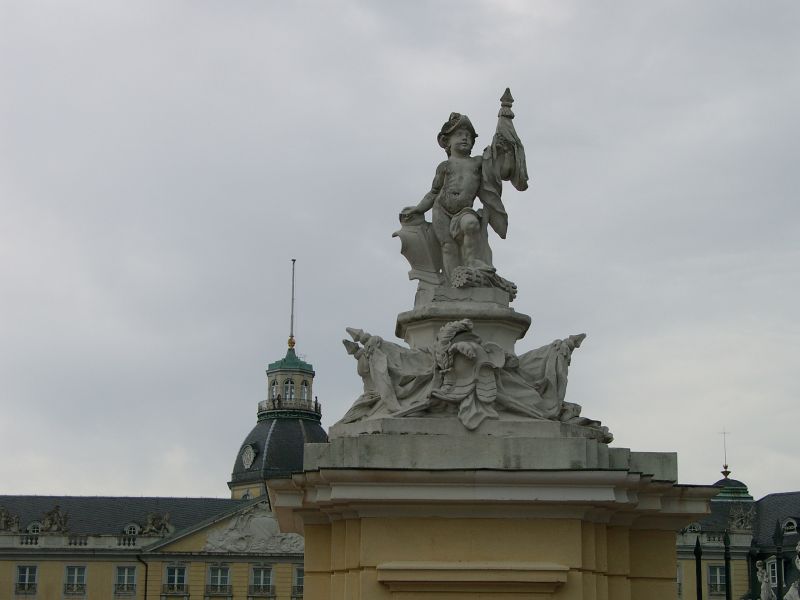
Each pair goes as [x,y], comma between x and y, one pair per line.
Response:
[741,518]
[254,530]
[8,522]
[157,524]
[54,520]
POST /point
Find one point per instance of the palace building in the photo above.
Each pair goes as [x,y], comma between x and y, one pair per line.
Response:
[165,548]
[759,531]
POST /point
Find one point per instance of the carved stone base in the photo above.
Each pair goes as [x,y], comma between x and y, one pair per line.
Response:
[492,321]
[434,425]
[434,518]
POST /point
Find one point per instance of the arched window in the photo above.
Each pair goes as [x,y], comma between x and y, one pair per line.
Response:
[304,390]
[274,389]
[789,526]
[288,389]
[131,529]
[693,528]
[34,527]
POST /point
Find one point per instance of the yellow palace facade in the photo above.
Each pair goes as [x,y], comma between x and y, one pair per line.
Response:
[166,548]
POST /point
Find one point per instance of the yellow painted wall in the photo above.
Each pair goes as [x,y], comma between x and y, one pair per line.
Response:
[606,563]
[739,577]
[7,576]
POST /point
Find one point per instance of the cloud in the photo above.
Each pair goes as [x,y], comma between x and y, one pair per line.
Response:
[161,163]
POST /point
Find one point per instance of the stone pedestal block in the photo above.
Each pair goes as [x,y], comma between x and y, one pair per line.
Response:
[415,511]
[493,322]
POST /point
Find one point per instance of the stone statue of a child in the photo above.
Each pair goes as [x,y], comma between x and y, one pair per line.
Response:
[456,224]
[460,229]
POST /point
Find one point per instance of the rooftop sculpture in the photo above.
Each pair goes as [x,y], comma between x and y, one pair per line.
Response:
[461,360]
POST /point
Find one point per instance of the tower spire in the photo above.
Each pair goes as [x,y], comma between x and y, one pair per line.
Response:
[725,471]
[291,316]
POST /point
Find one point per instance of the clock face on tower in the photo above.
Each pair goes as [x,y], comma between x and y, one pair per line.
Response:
[248,456]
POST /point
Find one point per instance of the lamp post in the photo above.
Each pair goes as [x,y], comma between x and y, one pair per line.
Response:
[698,568]
[726,539]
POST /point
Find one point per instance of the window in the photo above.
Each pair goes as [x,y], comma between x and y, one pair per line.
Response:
[262,580]
[26,579]
[693,528]
[716,579]
[789,526]
[218,580]
[34,527]
[75,583]
[304,390]
[176,579]
[772,568]
[288,390]
[126,580]
[297,588]
[132,529]
[274,389]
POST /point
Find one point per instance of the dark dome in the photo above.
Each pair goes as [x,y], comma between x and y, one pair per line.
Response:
[730,483]
[276,444]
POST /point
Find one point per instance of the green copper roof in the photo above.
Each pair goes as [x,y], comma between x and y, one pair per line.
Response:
[290,362]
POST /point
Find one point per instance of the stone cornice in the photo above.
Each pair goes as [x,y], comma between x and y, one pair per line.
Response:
[603,496]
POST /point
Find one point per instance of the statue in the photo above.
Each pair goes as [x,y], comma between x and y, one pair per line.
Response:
[8,522]
[54,520]
[463,257]
[463,375]
[157,524]
[765,591]
[794,589]
[461,363]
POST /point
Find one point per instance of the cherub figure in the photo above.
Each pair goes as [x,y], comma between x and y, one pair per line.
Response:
[460,229]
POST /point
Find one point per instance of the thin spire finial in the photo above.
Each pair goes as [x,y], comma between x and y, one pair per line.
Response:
[291,317]
[725,471]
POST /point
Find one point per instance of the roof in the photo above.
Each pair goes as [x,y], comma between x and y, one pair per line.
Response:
[718,519]
[732,490]
[278,444]
[732,483]
[776,508]
[290,362]
[94,515]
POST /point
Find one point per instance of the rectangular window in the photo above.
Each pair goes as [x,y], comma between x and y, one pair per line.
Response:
[126,580]
[297,588]
[218,580]
[772,567]
[716,579]
[26,579]
[262,580]
[176,579]
[75,583]
[218,575]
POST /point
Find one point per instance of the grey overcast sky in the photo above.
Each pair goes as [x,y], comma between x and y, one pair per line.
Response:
[162,162]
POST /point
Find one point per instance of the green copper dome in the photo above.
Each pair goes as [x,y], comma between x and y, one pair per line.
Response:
[290,362]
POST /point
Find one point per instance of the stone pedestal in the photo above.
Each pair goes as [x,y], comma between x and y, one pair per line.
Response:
[423,509]
[487,308]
